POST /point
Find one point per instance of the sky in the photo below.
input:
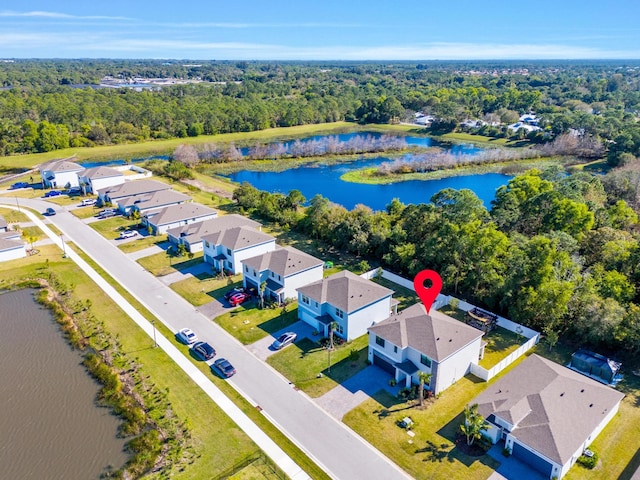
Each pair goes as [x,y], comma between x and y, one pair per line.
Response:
[321,29]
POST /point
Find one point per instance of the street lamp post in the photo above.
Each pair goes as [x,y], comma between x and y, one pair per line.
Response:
[153,324]
[64,250]
[17,203]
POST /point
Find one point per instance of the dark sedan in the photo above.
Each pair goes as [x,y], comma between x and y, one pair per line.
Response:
[203,350]
[223,367]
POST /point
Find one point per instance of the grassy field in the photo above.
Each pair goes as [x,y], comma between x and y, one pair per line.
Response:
[161,264]
[500,343]
[110,228]
[141,242]
[200,289]
[13,216]
[249,324]
[403,295]
[304,360]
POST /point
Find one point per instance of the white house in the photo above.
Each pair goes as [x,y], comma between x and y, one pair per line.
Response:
[413,341]
[11,247]
[547,414]
[228,248]
[352,302]
[117,193]
[145,203]
[191,235]
[61,173]
[97,178]
[177,215]
[283,270]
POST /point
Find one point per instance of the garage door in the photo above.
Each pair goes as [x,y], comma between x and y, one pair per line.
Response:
[383,364]
[531,459]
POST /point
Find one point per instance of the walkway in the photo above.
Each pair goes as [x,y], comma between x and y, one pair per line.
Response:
[261,348]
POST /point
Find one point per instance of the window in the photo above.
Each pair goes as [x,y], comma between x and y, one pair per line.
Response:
[246,269]
[316,304]
[207,244]
[339,313]
[273,275]
[425,360]
[395,349]
[340,329]
[305,299]
[254,272]
[228,251]
[279,278]
[380,341]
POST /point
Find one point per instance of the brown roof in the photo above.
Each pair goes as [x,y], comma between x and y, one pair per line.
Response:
[62,165]
[283,261]
[101,172]
[346,291]
[178,213]
[195,231]
[238,237]
[156,199]
[553,408]
[135,187]
[436,335]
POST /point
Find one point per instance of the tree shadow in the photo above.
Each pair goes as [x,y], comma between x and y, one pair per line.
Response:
[631,468]
[449,432]
[436,453]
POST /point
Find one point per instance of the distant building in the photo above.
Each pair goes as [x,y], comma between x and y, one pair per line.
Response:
[191,235]
[61,173]
[97,178]
[177,215]
[117,193]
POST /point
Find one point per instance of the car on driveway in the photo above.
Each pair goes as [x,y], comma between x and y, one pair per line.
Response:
[284,340]
[106,213]
[233,292]
[18,185]
[49,212]
[223,366]
[88,201]
[238,298]
[128,234]
[52,193]
[187,336]
[203,350]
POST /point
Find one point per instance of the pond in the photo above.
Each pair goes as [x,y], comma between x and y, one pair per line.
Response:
[50,425]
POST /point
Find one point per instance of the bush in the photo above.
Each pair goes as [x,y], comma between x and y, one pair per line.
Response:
[588,462]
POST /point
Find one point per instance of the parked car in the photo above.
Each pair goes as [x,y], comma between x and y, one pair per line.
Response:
[187,336]
[49,212]
[107,213]
[74,191]
[233,292]
[128,234]
[204,350]
[238,298]
[284,340]
[52,193]
[17,185]
[223,366]
[87,202]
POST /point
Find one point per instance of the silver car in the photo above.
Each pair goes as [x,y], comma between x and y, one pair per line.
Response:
[284,340]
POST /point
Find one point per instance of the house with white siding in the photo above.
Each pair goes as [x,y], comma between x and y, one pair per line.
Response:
[352,302]
[283,270]
[61,173]
[118,193]
[547,414]
[176,215]
[191,235]
[96,178]
[148,202]
[415,341]
[11,247]
[226,249]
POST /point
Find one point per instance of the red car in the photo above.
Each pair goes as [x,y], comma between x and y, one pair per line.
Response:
[238,298]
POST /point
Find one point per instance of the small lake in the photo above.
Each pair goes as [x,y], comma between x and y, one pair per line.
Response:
[50,425]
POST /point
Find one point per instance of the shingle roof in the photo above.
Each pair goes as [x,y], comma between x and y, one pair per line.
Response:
[135,187]
[553,408]
[436,335]
[155,199]
[177,213]
[346,291]
[62,165]
[101,172]
[195,231]
[9,244]
[283,261]
[238,237]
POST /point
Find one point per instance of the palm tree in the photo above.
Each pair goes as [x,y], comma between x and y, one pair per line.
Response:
[332,327]
[423,377]
[473,424]
[263,287]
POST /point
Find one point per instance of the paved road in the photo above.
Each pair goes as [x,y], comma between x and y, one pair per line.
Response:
[336,448]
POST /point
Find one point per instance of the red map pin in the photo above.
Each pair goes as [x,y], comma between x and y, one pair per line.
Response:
[427,295]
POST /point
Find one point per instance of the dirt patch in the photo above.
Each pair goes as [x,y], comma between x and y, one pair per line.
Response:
[206,188]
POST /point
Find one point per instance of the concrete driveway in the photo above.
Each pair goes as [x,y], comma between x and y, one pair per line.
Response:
[510,467]
[354,391]
[261,348]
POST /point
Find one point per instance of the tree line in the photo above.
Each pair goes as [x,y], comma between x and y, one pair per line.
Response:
[557,253]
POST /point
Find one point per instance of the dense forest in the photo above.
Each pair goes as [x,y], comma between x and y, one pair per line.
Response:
[558,253]
[47,105]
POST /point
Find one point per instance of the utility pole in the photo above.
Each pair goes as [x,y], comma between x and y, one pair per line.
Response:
[64,250]
[153,324]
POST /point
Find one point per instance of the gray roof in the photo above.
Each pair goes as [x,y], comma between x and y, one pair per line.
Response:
[178,213]
[237,238]
[346,291]
[135,187]
[10,234]
[9,244]
[283,261]
[101,172]
[436,335]
[62,165]
[195,231]
[3,222]
[553,408]
[160,198]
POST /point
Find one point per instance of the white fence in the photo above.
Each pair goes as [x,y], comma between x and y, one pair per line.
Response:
[532,336]
[140,172]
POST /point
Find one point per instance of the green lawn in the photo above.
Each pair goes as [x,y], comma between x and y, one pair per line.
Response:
[500,343]
[303,361]
[13,216]
[110,228]
[249,324]
[161,264]
[85,212]
[142,242]
[200,289]
[405,296]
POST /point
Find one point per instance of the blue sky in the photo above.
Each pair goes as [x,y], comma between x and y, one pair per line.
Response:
[321,29]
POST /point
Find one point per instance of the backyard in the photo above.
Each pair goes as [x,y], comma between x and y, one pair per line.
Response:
[303,361]
[249,324]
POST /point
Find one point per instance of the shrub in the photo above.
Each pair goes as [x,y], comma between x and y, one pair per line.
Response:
[506,452]
[588,462]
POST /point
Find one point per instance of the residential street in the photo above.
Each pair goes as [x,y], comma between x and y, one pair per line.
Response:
[337,449]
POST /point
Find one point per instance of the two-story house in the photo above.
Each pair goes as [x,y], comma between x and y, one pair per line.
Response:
[352,302]
[415,341]
[176,215]
[191,235]
[96,178]
[283,270]
[60,173]
[226,249]
[148,202]
[117,193]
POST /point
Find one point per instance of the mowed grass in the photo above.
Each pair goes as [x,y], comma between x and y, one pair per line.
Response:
[141,242]
[110,228]
[404,296]
[202,288]
[500,343]
[304,360]
[13,216]
[250,324]
[160,264]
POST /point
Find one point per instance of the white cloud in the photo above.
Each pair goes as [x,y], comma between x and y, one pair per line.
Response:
[57,15]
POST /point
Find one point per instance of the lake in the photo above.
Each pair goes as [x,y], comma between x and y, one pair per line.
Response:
[50,425]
